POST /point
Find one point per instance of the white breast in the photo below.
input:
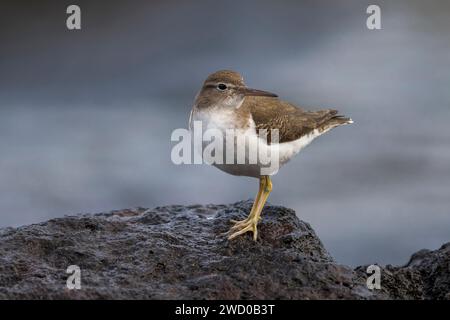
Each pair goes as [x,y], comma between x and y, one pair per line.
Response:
[226,119]
[221,119]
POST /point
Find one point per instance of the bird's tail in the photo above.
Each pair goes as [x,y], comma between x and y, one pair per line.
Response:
[335,121]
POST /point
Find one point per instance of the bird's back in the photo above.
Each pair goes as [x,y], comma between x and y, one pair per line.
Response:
[292,122]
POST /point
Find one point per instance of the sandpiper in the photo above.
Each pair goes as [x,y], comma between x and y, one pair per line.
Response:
[225,102]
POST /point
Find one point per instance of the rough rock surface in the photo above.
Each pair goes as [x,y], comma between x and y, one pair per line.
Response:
[180,252]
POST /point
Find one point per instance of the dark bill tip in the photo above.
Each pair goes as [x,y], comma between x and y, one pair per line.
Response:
[260,93]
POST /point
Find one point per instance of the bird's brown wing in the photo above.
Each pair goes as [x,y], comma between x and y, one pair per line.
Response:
[292,122]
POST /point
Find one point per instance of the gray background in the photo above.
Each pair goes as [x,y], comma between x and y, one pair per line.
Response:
[86,116]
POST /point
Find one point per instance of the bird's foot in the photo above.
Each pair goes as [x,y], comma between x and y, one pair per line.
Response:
[243,226]
[250,224]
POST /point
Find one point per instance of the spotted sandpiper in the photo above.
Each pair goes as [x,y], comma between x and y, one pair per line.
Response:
[225,102]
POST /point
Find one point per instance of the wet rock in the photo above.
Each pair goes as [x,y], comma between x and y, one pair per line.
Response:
[180,252]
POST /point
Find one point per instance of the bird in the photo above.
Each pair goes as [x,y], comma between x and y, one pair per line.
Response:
[225,103]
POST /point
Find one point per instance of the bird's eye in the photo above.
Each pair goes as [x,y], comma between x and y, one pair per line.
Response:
[222,86]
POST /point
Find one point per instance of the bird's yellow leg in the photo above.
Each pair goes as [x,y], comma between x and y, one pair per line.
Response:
[250,224]
[258,195]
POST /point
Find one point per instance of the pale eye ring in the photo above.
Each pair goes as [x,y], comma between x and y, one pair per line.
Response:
[222,87]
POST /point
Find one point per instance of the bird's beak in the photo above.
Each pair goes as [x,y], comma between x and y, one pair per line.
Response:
[254,92]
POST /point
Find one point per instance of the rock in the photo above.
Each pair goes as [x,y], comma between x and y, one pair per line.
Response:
[180,252]
[425,276]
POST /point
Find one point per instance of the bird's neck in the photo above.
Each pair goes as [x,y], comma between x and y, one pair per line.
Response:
[220,116]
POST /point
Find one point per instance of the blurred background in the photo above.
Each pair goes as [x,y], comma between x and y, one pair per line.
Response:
[86,116]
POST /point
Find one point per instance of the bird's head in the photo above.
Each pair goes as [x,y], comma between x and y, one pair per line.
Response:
[226,88]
